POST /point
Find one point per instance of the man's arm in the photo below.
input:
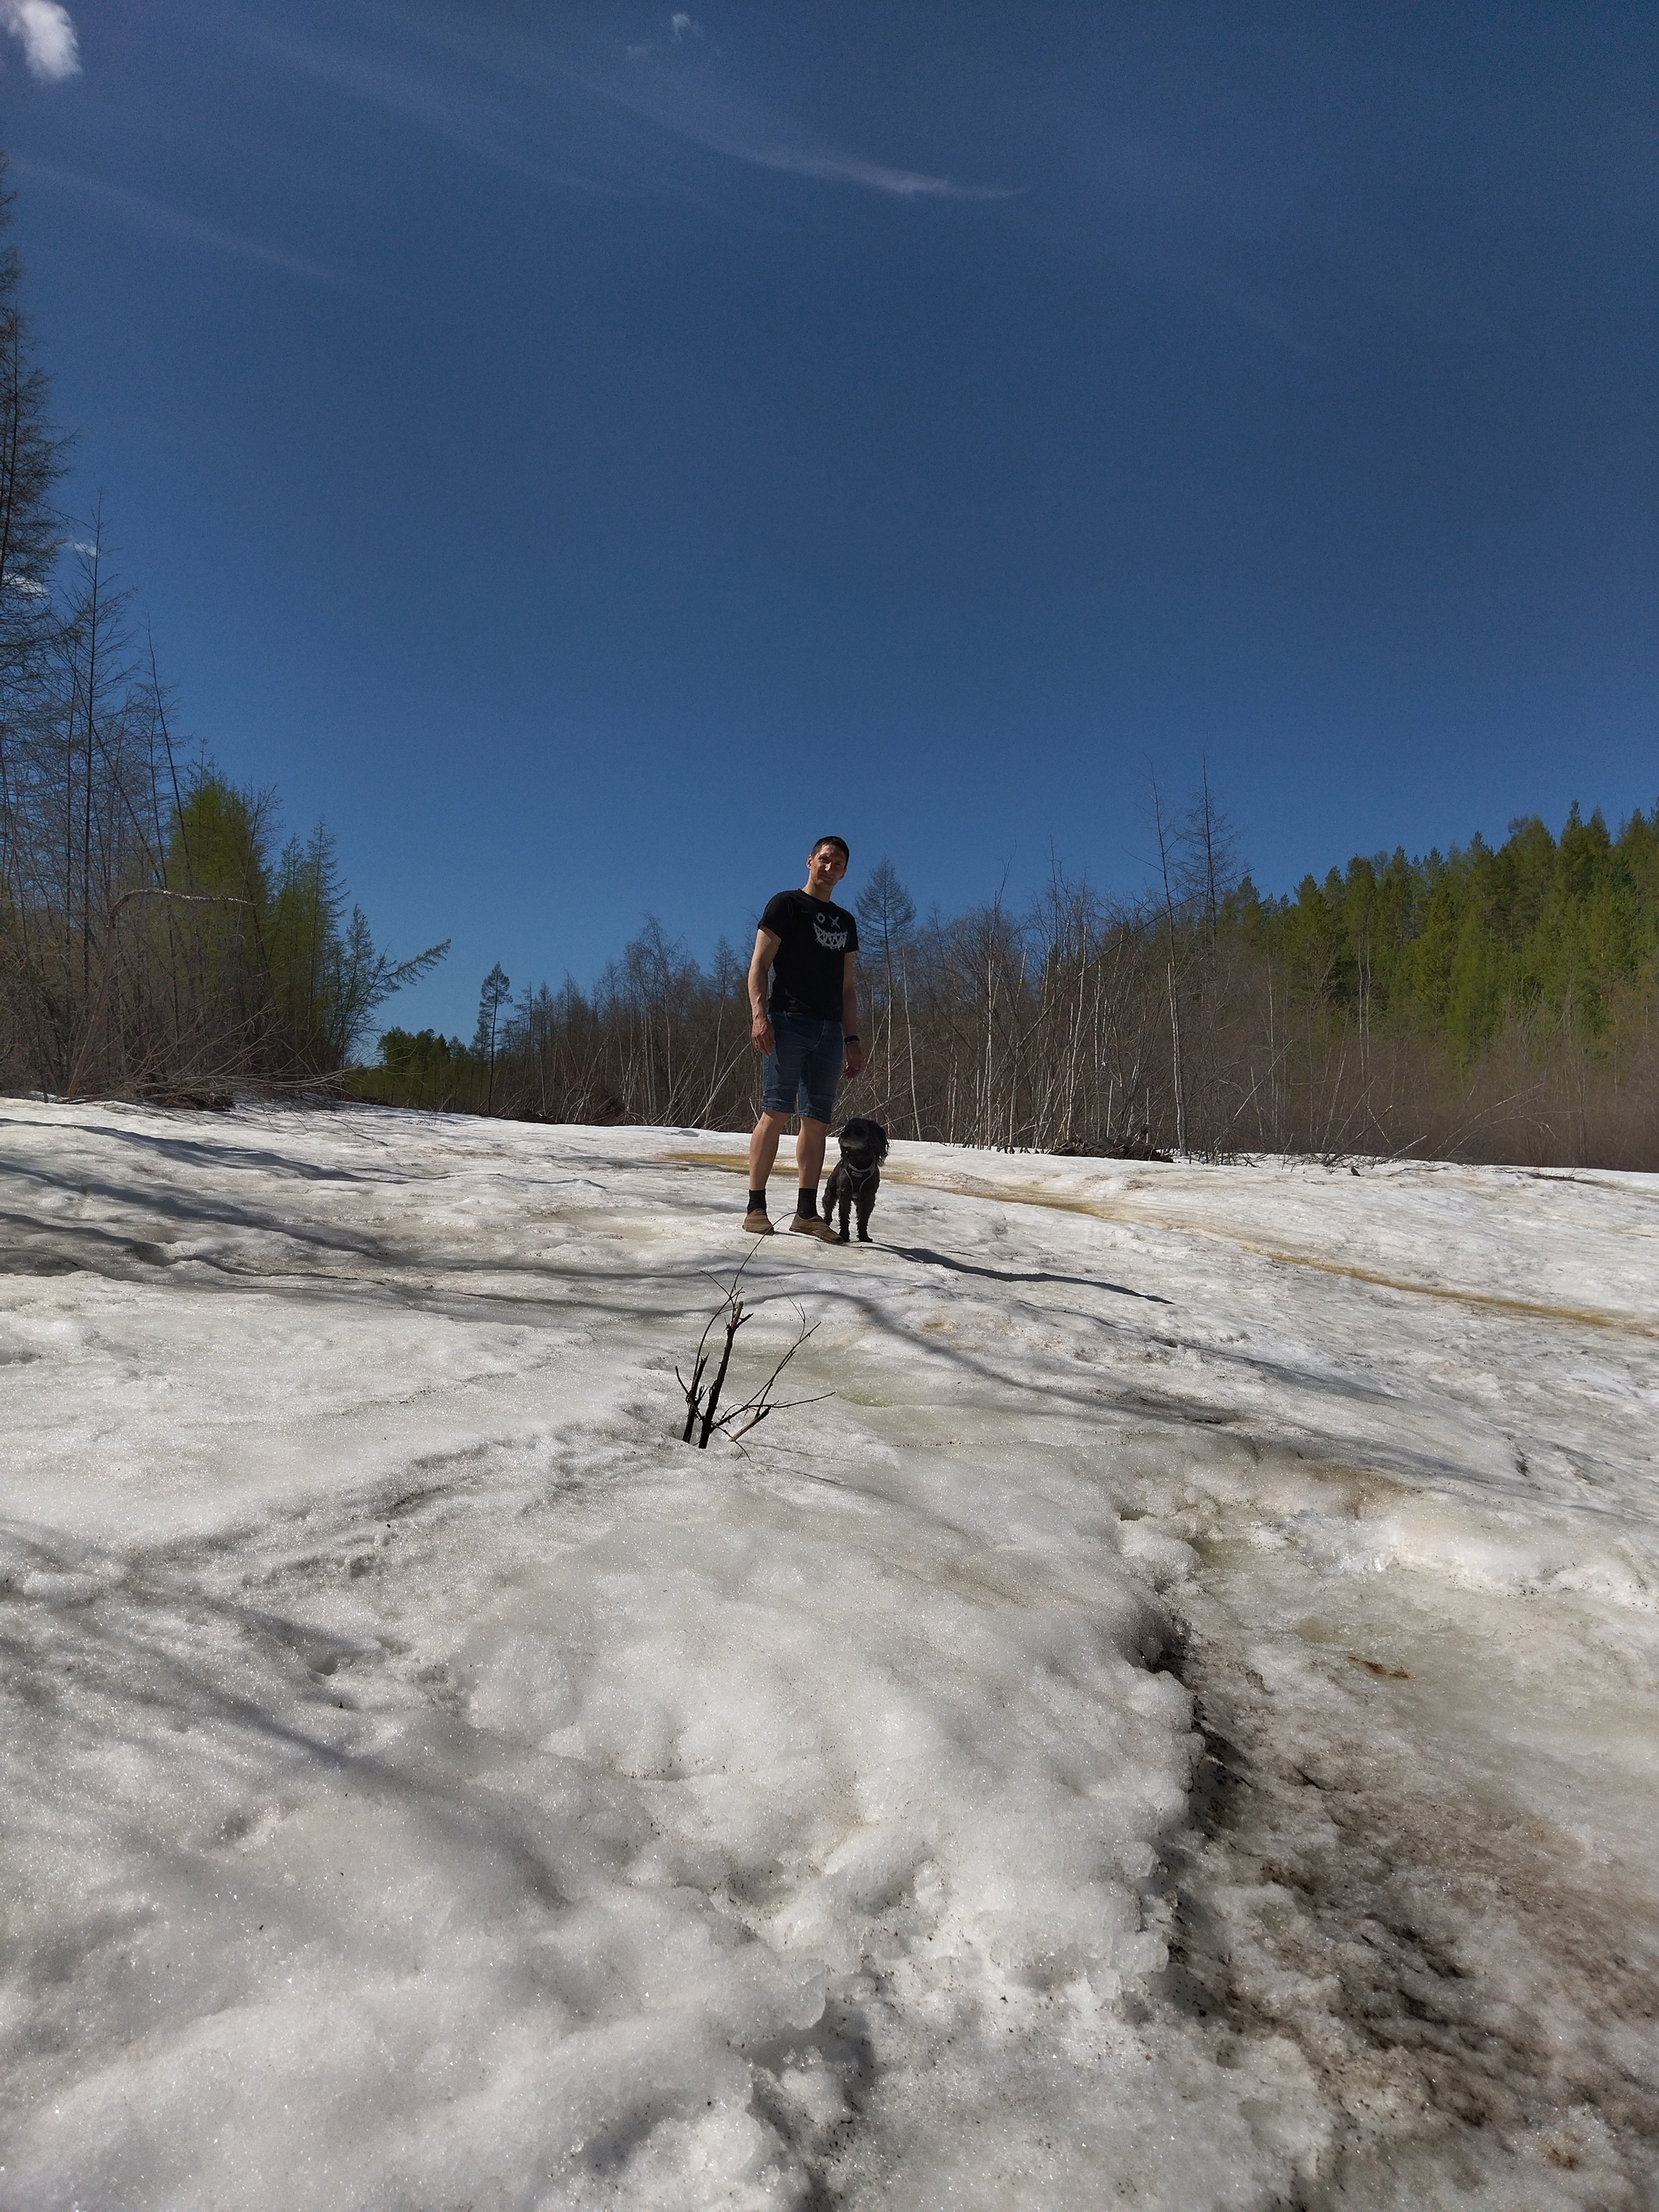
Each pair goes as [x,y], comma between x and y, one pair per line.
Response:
[850,1014]
[760,1029]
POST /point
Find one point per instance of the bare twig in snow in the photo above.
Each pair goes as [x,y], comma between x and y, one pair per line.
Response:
[703,1413]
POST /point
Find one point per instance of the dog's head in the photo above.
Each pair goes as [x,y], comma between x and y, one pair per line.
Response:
[863,1143]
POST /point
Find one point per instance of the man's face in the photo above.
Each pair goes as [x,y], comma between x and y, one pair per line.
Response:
[826,868]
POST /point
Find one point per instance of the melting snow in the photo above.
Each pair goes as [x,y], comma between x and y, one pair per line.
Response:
[1175,1727]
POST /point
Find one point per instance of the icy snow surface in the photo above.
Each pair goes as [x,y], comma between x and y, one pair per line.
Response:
[1175,1727]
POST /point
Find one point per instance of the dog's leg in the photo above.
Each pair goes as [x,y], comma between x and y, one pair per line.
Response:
[866,1206]
[846,1209]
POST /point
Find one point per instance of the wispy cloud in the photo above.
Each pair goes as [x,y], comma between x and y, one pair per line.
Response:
[682,91]
[501,92]
[798,157]
[43,29]
[681,27]
[164,221]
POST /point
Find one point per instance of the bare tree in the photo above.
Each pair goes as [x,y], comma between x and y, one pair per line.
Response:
[1178,1073]
[887,914]
[496,990]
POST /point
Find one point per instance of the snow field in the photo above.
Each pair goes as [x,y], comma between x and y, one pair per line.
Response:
[430,1784]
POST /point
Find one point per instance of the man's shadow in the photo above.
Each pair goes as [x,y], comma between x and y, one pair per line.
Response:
[928,1259]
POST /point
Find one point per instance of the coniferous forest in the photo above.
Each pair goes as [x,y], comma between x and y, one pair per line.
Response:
[160,938]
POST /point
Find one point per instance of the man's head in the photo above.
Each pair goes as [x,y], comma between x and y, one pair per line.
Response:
[826,866]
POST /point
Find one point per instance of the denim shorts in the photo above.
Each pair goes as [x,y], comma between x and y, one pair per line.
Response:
[804,1068]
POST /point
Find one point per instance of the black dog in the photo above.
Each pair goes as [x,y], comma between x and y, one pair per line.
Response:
[856,1177]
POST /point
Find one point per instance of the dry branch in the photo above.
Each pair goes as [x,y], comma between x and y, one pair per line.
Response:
[703,1413]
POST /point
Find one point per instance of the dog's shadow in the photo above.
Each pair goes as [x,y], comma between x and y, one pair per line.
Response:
[927,1259]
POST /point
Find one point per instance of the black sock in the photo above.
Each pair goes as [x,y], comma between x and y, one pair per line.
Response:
[757,1201]
[806,1203]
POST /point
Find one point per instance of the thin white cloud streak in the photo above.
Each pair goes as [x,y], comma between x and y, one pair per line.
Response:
[691,105]
[833,167]
[678,102]
[165,221]
[43,29]
[746,133]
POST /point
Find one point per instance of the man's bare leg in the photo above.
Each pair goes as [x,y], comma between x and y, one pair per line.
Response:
[809,1153]
[764,1148]
[809,1160]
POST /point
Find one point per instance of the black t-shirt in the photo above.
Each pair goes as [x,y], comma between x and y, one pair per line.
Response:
[815,937]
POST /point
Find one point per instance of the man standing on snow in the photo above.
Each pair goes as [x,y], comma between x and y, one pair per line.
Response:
[808,1031]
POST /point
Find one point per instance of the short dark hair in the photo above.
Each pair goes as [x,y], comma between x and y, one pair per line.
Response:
[846,849]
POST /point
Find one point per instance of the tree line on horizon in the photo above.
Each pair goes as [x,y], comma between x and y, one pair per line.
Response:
[1489,1002]
[158,937]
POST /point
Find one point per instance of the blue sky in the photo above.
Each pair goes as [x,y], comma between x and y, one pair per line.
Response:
[585,450]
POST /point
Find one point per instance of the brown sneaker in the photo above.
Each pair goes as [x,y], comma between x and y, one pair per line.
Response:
[811,1224]
[757,1223]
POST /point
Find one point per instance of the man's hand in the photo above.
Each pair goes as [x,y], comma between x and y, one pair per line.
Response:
[765,1037]
[855,1059]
